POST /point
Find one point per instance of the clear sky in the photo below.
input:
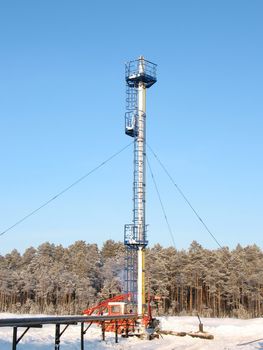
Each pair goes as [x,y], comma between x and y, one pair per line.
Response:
[62,105]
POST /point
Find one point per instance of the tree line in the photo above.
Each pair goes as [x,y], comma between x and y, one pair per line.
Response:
[56,280]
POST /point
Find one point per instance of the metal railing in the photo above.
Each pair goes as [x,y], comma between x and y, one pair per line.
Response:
[133,68]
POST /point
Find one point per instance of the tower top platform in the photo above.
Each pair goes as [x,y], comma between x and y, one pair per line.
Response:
[140,71]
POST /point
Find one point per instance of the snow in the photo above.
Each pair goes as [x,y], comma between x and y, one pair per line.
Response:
[229,334]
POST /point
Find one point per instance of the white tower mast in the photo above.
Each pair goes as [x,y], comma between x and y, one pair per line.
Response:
[140,75]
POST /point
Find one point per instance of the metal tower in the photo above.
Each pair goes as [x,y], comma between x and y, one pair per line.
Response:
[139,75]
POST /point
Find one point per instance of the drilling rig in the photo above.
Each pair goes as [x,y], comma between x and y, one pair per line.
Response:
[140,75]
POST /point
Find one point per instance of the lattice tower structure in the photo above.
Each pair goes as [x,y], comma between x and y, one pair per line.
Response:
[140,74]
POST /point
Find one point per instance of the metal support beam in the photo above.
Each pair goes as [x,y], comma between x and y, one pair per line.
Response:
[21,336]
[57,337]
[127,329]
[82,336]
[116,331]
[14,338]
[58,334]
[82,333]
[103,330]
[88,327]
[17,340]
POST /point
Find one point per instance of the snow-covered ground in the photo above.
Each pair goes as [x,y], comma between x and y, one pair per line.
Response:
[229,334]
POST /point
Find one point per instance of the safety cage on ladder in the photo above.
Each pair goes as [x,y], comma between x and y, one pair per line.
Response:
[131,235]
[130,124]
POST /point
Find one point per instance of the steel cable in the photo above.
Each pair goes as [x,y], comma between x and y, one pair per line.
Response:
[65,189]
[184,197]
[161,202]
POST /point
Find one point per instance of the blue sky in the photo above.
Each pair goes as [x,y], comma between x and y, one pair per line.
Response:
[62,105]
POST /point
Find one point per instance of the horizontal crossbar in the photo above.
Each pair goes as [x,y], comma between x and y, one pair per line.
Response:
[38,321]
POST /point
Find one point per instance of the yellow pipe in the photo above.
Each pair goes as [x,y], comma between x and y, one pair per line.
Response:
[143,280]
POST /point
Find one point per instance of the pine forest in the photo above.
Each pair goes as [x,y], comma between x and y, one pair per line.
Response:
[52,279]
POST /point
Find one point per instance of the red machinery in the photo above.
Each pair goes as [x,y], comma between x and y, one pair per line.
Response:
[117,306]
[101,307]
[113,307]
